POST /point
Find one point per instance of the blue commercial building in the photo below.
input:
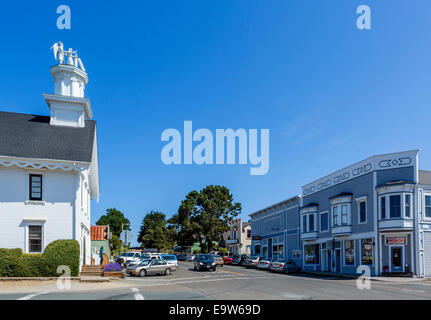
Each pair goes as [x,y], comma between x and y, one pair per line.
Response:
[275,231]
[372,216]
[375,213]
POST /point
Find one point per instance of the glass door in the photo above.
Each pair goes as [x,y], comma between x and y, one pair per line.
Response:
[397,259]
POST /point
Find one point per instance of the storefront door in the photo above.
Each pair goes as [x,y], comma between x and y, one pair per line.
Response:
[397,259]
[329,260]
[337,260]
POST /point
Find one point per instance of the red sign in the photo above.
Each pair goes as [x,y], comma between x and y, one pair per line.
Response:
[395,240]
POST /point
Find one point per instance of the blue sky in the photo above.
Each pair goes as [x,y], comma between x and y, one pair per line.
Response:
[330,94]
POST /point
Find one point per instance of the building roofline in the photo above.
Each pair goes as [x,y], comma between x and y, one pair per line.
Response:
[358,162]
[297,197]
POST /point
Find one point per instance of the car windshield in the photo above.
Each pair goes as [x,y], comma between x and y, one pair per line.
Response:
[205,257]
[169,258]
[130,254]
[254,258]
[145,262]
[279,260]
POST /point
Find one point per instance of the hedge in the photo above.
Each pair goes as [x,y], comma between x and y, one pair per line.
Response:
[13,263]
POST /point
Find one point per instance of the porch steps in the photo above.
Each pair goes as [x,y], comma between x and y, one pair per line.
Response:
[92,271]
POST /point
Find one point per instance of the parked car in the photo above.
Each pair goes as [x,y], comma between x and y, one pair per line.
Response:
[252,262]
[137,261]
[129,256]
[191,258]
[265,263]
[239,260]
[218,260]
[204,262]
[285,266]
[150,267]
[227,259]
[182,257]
[170,259]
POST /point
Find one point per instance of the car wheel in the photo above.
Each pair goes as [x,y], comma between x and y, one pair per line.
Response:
[167,272]
[142,273]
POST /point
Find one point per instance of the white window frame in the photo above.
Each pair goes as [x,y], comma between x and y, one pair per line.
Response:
[307,219]
[425,207]
[28,224]
[339,220]
[402,196]
[320,221]
[359,201]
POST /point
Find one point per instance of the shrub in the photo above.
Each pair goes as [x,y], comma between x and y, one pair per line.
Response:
[112,267]
[34,265]
[62,252]
[11,263]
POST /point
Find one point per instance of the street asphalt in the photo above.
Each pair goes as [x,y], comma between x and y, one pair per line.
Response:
[227,283]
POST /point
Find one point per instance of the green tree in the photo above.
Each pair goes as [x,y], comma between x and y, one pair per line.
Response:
[155,233]
[115,219]
[204,216]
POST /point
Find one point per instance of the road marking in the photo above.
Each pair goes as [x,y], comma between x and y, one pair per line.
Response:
[138,296]
[28,297]
[226,271]
[411,290]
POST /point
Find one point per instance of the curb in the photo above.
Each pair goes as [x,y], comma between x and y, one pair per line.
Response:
[36,278]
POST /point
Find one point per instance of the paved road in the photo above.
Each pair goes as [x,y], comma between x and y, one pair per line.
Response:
[228,282]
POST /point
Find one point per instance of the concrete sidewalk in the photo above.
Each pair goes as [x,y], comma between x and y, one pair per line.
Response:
[376,278]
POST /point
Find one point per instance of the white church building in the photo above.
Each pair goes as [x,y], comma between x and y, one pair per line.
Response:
[49,166]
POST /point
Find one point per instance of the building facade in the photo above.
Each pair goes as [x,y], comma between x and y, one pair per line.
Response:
[374,215]
[238,238]
[275,231]
[49,169]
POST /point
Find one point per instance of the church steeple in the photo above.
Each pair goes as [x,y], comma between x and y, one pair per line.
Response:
[67,105]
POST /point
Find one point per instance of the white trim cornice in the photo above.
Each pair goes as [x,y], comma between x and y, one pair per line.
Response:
[40,164]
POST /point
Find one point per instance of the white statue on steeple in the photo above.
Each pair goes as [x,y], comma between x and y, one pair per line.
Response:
[72,56]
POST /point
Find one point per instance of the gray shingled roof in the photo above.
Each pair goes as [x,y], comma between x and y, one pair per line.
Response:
[31,136]
[425,177]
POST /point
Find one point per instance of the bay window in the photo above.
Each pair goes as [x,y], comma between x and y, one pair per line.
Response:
[341,215]
[395,206]
[308,222]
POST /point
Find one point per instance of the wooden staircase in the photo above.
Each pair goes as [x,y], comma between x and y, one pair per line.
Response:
[92,271]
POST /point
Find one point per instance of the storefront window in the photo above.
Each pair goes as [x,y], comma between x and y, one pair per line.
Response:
[274,251]
[280,251]
[311,253]
[265,251]
[349,252]
[367,251]
[257,250]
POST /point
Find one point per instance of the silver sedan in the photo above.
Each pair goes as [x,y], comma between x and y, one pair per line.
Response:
[149,267]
